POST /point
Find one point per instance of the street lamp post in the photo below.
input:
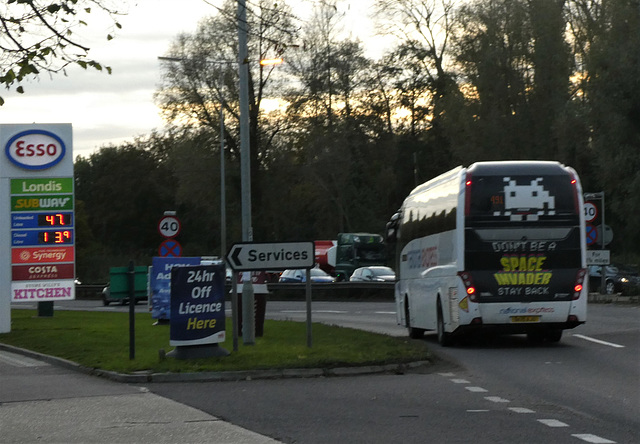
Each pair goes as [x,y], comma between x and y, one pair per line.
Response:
[223,193]
[248,297]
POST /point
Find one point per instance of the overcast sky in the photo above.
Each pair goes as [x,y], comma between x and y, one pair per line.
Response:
[109,109]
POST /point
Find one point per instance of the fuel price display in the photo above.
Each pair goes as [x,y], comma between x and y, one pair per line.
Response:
[54,220]
[55,237]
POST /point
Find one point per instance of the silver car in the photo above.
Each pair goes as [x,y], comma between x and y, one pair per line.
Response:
[373,274]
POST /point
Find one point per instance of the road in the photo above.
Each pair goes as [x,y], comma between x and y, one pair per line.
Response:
[500,390]
[584,389]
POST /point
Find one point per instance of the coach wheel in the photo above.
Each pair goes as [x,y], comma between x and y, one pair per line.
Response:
[553,335]
[414,333]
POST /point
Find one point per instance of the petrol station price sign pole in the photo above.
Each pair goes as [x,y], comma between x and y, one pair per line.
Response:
[37,218]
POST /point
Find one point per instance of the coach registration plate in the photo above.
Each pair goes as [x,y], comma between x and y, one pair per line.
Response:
[524,319]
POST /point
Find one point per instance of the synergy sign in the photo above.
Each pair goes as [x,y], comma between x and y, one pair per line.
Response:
[37,238]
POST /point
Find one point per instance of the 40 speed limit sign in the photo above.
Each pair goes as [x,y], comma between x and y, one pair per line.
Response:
[169,226]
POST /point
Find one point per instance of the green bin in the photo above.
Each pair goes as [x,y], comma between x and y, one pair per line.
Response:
[118,289]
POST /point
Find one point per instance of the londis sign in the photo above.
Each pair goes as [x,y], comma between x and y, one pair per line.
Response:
[35,149]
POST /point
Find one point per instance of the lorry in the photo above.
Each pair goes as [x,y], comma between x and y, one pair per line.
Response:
[355,250]
[349,251]
[326,255]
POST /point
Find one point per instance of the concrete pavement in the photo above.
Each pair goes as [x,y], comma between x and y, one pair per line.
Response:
[44,402]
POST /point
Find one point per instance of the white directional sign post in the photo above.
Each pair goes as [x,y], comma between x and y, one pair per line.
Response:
[273,256]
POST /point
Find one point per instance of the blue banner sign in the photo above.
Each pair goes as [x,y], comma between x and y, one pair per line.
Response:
[160,282]
[197,305]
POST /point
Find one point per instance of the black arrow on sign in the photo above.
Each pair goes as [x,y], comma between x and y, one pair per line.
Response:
[235,255]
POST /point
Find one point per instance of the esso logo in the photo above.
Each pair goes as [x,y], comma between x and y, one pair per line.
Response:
[35,149]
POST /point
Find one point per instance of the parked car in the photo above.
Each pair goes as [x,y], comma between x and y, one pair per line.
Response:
[317,275]
[373,274]
[619,278]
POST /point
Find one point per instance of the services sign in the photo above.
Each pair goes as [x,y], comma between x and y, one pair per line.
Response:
[271,256]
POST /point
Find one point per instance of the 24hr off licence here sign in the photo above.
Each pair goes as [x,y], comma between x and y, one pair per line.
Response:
[197,305]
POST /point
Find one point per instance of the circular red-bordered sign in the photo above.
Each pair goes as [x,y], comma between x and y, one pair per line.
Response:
[169,226]
[590,211]
[170,248]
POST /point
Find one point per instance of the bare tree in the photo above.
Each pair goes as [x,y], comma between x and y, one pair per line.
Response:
[424,25]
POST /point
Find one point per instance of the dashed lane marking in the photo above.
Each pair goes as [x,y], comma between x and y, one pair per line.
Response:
[521,410]
[496,399]
[553,423]
[477,389]
[587,437]
[593,438]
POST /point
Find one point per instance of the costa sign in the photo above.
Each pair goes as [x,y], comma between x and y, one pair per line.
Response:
[35,149]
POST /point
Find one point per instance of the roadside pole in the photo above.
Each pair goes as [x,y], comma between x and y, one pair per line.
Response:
[132,311]
[234,309]
[308,298]
[248,311]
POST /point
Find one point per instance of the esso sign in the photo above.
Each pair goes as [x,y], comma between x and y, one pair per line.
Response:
[35,149]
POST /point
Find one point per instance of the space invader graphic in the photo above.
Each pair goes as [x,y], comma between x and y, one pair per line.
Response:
[526,202]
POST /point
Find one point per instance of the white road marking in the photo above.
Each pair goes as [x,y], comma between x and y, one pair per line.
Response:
[587,437]
[385,312]
[521,410]
[593,438]
[315,311]
[496,399]
[598,341]
[553,423]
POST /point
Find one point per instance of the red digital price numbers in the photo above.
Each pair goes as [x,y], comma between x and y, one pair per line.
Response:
[55,237]
[54,220]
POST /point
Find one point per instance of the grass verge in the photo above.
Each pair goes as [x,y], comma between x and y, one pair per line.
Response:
[101,340]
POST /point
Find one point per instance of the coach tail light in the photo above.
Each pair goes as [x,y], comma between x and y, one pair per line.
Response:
[579,285]
[470,289]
